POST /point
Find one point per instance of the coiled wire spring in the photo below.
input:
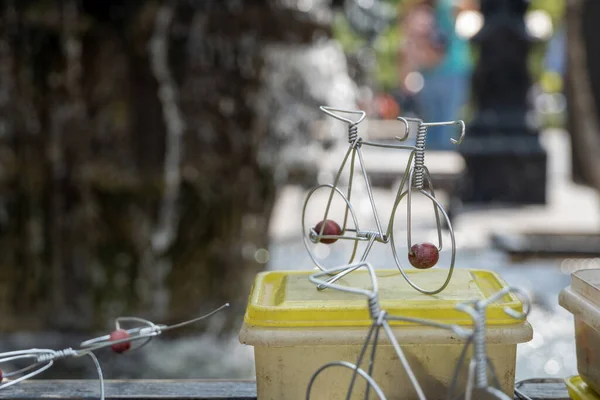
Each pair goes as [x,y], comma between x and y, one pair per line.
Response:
[45,357]
[480,356]
[353,138]
[420,156]
[374,307]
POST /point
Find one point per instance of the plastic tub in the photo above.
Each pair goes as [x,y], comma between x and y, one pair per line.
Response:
[296,329]
[582,298]
[578,390]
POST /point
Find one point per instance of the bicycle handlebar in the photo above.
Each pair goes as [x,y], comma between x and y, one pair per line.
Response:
[459,122]
[329,111]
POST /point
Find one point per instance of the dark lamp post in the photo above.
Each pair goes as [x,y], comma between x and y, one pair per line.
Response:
[505,162]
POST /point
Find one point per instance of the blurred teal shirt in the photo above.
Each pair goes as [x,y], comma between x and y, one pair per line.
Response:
[458,55]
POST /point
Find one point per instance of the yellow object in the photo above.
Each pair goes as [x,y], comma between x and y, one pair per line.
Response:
[551,82]
[578,390]
[295,329]
[582,298]
[289,299]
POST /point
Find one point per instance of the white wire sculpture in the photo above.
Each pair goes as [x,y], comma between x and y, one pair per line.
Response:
[479,365]
[416,178]
[119,341]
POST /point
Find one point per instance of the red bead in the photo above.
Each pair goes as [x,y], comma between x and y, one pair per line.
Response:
[118,335]
[423,255]
[331,229]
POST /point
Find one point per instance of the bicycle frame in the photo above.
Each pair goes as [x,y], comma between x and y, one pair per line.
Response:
[411,173]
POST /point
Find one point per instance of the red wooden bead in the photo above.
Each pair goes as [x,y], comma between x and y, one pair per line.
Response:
[423,255]
[118,335]
[331,229]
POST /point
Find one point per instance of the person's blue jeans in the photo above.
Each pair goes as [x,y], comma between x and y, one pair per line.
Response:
[441,99]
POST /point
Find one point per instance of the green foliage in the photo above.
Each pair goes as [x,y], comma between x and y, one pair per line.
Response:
[549,81]
[386,48]
[387,45]
[555,8]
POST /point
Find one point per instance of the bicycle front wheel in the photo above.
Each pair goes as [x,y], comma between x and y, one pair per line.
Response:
[397,250]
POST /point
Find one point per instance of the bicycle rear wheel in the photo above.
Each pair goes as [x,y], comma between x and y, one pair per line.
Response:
[329,227]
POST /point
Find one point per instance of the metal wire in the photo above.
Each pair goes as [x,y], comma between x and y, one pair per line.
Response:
[137,333]
[416,178]
[350,268]
[479,365]
[479,350]
[42,359]
[351,366]
[438,206]
[420,157]
[353,135]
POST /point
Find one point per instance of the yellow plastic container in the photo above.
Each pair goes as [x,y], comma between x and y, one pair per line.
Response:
[578,390]
[582,298]
[296,329]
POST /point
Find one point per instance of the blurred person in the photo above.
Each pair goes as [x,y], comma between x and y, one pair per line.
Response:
[555,57]
[435,64]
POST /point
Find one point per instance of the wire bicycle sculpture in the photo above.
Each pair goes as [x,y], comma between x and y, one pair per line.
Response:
[479,365]
[416,178]
[119,341]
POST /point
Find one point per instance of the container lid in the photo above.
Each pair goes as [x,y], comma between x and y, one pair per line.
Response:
[289,299]
[586,282]
[582,297]
[578,390]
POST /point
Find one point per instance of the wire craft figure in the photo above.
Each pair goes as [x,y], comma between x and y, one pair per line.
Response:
[416,178]
[479,365]
[119,340]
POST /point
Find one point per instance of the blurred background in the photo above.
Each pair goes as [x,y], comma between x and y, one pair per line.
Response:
[156,155]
